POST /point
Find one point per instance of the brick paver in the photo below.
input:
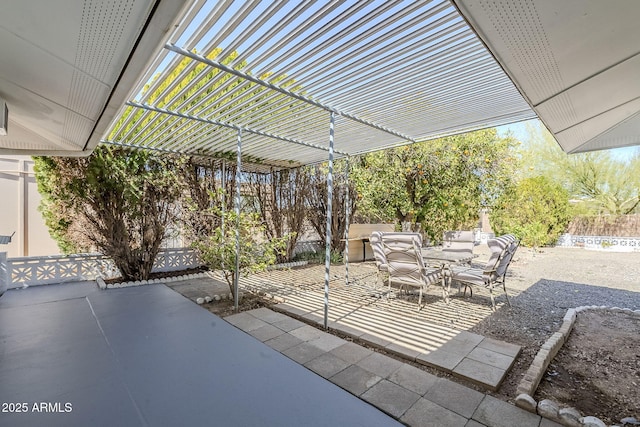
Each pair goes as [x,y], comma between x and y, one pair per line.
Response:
[403,391]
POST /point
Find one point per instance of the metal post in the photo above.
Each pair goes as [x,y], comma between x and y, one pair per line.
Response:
[347,211]
[223,184]
[236,276]
[327,261]
[5,277]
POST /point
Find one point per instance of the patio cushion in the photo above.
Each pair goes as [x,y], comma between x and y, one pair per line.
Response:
[459,241]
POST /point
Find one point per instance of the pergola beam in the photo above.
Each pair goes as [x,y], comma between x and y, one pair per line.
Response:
[229,125]
[241,74]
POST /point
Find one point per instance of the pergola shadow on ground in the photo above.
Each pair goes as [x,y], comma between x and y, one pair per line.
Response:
[437,335]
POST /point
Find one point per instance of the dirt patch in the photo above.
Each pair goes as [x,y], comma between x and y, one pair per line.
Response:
[597,370]
[249,301]
[543,285]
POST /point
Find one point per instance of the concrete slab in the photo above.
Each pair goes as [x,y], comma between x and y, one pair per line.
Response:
[474,423]
[345,329]
[327,365]
[390,324]
[413,379]
[266,332]
[283,342]
[425,413]
[268,316]
[403,351]
[469,338]
[245,321]
[288,324]
[496,413]
[492,358]
[445,357]
[380,364]
[307,333]
[351,352]
[480,373]
[455,397]
[148,356]
[314,318]
[303,352]
[290,309]
[501,347]
[327,342]
[390,397]
[355,379]
[375,340]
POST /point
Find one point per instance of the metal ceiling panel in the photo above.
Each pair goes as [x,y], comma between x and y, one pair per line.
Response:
[576,62]
[62,62]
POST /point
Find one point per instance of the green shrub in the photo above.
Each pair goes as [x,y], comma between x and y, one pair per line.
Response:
[318,257]
[536,210]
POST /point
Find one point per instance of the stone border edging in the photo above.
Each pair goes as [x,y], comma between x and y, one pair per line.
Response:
[103,285]
[547,408]
[286,265]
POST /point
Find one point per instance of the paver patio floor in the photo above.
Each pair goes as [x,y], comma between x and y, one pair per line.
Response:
[435,335]
[405,392]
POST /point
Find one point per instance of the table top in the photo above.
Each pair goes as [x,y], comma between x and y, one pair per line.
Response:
[364,238]
[446,256]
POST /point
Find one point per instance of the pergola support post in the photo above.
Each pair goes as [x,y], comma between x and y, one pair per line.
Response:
[223,184]
[236,275]
[347,214]
[327,261]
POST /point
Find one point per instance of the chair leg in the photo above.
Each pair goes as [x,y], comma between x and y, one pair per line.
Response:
[464,293]
[504,286]
[493,300]
[420,300]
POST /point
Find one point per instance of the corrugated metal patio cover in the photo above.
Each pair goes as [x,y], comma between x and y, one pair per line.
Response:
[393,71]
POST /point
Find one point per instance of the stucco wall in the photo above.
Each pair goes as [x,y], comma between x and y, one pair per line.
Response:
[19,200]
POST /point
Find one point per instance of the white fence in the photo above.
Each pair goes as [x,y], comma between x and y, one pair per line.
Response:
[602,243]
[43,270]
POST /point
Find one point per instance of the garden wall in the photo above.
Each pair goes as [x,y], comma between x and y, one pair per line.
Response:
[615,233]
[606,225]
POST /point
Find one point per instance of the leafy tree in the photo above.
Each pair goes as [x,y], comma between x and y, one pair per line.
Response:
[599,182]
[118,200]
[317,198]
[217,249]
[280,198]
[536,210]
[435,185]
[202,187]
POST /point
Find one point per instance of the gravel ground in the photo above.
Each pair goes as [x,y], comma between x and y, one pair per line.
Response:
[543,284]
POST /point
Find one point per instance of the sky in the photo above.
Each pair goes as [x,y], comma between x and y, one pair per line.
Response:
[519,131]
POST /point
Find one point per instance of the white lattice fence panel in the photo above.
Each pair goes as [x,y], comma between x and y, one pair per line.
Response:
[28,271]
[176,259]
[607,243]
